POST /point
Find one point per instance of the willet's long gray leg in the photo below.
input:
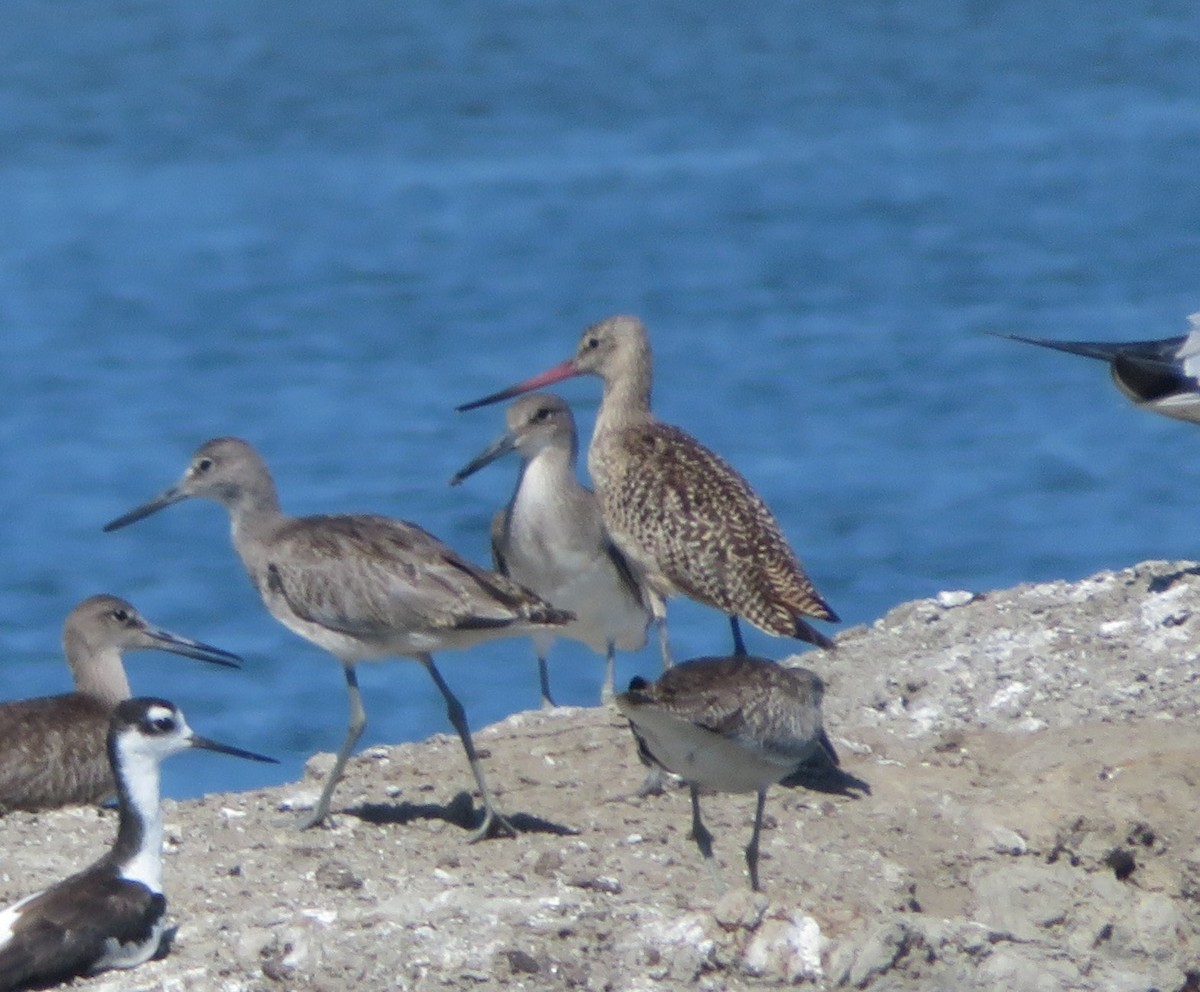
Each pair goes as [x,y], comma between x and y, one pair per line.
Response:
[354,729]
[363,587]
[458,719]
[684,519]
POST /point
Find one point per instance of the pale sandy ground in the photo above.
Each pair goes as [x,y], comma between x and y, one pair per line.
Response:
[1032,755]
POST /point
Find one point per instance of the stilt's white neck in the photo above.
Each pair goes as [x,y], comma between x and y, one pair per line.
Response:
[138,849]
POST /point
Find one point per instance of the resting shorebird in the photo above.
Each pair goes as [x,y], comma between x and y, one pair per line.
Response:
[736,724]
[551,538]
[686,521]
[111,914]
[52,748]
[362,587]
[1161,375]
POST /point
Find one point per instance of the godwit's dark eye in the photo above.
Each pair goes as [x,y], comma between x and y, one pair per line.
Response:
[120,614]
[203,464]
[543,413]
[164,724]
[591,343]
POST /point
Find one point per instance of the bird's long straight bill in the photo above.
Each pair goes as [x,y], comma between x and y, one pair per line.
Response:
[564,370]
[172,495]
[166,641]
[209,745]
[497,449]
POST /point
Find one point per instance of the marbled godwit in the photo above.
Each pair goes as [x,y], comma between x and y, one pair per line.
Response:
[111,914]
[737,724]
[1161,375]
[52,748]
[686,521]
[362,587]
[551,539]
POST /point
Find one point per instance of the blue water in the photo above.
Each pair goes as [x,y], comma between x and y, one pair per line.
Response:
[321,226]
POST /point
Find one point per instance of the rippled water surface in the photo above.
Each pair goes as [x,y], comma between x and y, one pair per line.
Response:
[321,226]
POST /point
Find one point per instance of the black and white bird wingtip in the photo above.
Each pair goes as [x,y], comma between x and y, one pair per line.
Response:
[1161,375]
[111,914]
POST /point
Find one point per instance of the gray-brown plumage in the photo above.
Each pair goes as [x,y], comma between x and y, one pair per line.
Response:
[363,587]
[688,523]
[551,537]
[52,747]
[733,724]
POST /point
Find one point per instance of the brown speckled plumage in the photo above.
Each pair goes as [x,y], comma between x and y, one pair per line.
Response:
[728,724]
[685,519]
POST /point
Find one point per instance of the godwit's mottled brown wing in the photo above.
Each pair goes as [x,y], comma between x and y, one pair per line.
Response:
[52,752]
[368,576]
[710,534]
[749,699]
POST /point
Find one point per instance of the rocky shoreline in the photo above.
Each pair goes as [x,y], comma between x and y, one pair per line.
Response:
[1032,823]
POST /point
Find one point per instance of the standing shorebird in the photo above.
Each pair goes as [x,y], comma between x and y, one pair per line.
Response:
[686,521]
[737,724]
[1162,375]
[110,915]
[551,538]
[362,587]
[52,748]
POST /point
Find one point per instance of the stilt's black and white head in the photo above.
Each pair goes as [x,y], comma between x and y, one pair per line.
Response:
[152,729]
[109,915]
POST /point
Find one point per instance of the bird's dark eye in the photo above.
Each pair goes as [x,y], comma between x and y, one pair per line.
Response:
[120,614]
[164,724]
[591,343]
[203,464]
[543,413]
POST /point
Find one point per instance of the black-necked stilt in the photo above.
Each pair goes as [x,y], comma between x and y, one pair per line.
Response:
[110,915]
[52,748]
[733,724]
[551,538]
[362,587]
[686,520]
[1161,375]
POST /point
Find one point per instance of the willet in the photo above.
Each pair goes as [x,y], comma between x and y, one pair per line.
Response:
[551,538]
[736,724]
[52,748]
[109,915]
[1162,375]
[686,521]
[362,587]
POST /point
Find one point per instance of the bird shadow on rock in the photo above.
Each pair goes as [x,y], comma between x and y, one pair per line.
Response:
[461,811]
[819,774]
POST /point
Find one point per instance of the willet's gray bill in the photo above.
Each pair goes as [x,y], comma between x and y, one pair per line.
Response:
[1161,375]
[551,538]
[110,915]
[731,724]
[52,747]
[686,521]
[362,587]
